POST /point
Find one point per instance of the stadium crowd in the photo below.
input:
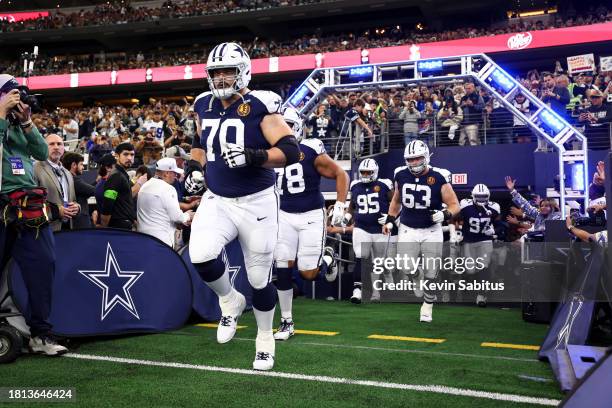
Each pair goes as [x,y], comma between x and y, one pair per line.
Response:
[123,12]
[260,47]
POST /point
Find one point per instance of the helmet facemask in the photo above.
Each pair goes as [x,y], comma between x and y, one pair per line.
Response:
[419,167]
[224,86]
[367,176]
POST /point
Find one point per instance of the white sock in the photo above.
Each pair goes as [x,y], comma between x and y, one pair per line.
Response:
[285,300]
[265,320]
[221,286]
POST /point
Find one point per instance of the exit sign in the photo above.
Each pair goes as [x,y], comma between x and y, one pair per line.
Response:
[459,178]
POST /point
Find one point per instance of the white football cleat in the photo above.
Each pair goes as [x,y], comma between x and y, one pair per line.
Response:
[356,298]
[231,310]
[330,260]
[285,330]
[264,352]
[426,312]
[375,296]
[47,346]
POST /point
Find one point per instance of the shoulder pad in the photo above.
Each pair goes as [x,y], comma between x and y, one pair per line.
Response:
[443,172]
[354,183]
[495,206]
[397,170]
[466,202]
[269,99]
[201,97]
[315,144]
[387,183]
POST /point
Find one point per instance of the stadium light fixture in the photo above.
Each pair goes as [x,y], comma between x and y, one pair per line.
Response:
[502,80]
[551,120]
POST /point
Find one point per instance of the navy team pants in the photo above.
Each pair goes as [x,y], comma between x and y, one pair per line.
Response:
[35,256]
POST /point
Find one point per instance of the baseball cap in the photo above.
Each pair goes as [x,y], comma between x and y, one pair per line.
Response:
[168,164]
[596,93]
[8,83]
[177,152]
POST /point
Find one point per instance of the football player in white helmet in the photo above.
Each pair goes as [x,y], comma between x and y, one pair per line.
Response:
[302,231]
[370,198]
[420,192]
[478,215]
[241,137]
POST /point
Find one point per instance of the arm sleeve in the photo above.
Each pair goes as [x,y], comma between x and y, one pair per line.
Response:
[81,188]
[111,192]
[529,210]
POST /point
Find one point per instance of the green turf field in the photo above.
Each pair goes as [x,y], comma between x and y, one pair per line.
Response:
[386,371]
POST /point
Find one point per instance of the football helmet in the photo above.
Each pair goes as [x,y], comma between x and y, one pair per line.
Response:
[295,122]
[480,194]
[416,149]
[370,168]
[224,56]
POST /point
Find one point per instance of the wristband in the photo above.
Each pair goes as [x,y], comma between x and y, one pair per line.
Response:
[256,157]
[447,215]
[26,124]
[390,219]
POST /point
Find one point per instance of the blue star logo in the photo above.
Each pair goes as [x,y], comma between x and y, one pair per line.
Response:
[232,270]
[115,284]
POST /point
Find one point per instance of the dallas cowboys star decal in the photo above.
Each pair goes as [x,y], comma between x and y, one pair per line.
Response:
[115,284]
[232,270]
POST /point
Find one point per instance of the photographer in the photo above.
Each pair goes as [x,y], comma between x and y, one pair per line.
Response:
[25,234]
[410,115]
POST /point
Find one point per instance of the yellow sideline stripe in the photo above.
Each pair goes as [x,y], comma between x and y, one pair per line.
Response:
[402,338]
[214,325]
[316,332]
[510,346]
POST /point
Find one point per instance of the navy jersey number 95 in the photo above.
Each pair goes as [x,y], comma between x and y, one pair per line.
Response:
[240,124]
[370,201]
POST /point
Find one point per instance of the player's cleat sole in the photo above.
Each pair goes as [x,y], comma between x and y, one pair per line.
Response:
[356,298]
[228,323]
[332,268]
[285,330]
[426,312]
[263,361]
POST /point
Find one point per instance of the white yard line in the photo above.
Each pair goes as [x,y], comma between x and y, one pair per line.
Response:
[437,389]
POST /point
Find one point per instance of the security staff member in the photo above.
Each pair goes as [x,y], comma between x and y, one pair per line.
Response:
[118,209]
[24,232]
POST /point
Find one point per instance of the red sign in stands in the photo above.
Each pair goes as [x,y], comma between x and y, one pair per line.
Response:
[488,45]
[15,17]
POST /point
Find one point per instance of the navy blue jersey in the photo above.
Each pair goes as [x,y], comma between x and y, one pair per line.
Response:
[240,124]
[421,195]
[477,219]
[300,183]
[370,201]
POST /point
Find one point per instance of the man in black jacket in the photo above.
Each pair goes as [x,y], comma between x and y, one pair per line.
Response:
[472,105]
[73,162]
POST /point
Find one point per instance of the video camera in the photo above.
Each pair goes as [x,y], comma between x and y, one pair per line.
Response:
[29,99]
